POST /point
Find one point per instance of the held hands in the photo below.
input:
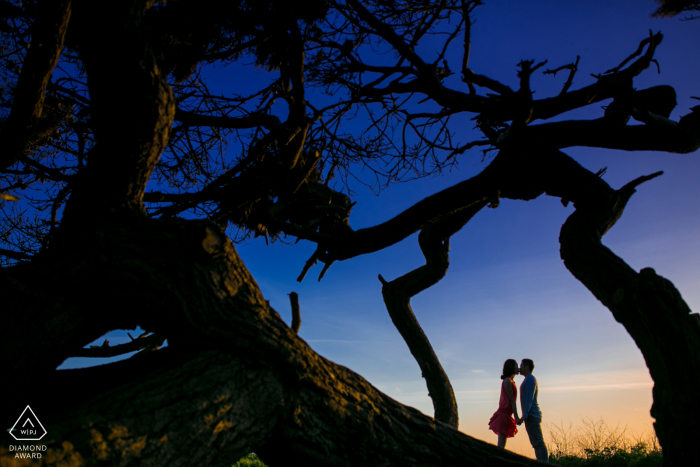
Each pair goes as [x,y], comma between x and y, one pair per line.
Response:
[519,421]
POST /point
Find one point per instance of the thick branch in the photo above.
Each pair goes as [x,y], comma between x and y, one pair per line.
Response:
[434,242]
[164,408]
[260,388]
[131,123]
[518,173]
[95,260]
[210,408]
[160,197]
[486,82]
[661,134]
[652,311]
[368,240]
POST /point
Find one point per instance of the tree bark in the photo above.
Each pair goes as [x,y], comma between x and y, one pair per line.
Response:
[653,312]
[210,408]
[234,379]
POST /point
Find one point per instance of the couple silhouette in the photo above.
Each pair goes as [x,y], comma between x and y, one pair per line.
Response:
[503,424]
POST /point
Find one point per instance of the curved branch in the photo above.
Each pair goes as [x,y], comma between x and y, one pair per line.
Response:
[462,195]
[521,173]
[652,311]
[434,242]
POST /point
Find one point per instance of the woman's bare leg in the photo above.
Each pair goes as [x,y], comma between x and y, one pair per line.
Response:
[502,441]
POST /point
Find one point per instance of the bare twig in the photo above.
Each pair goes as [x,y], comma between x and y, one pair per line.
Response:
[310,262]
[638,181]
[524,105]
[572,67]
[467,36]
[326,266]
[466,147]
[652,40]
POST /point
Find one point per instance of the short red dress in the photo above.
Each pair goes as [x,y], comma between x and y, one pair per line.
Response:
[502,421]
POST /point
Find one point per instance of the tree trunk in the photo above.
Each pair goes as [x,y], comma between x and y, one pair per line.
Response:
[655,315]
[234,379]
[132,108]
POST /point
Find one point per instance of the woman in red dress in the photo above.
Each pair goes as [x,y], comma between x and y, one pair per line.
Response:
[502,423]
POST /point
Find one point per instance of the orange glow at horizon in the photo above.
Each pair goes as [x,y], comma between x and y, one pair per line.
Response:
[621,399]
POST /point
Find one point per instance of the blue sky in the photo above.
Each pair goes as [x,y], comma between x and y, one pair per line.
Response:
[507,293]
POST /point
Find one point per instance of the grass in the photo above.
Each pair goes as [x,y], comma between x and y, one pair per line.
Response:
[594,443]
[597,444]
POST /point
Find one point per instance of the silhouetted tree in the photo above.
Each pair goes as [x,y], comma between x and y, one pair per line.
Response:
[100,101]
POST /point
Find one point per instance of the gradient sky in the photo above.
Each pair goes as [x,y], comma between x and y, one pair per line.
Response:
[507,293]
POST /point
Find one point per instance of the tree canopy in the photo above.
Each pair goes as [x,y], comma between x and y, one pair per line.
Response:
[126,181]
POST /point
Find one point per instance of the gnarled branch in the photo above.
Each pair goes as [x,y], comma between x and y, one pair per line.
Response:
[649,307]
[434,242]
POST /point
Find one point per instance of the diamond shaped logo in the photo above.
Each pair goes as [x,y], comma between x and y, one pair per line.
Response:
[27,427]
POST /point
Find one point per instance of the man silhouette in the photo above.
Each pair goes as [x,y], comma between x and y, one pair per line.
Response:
[532,416]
